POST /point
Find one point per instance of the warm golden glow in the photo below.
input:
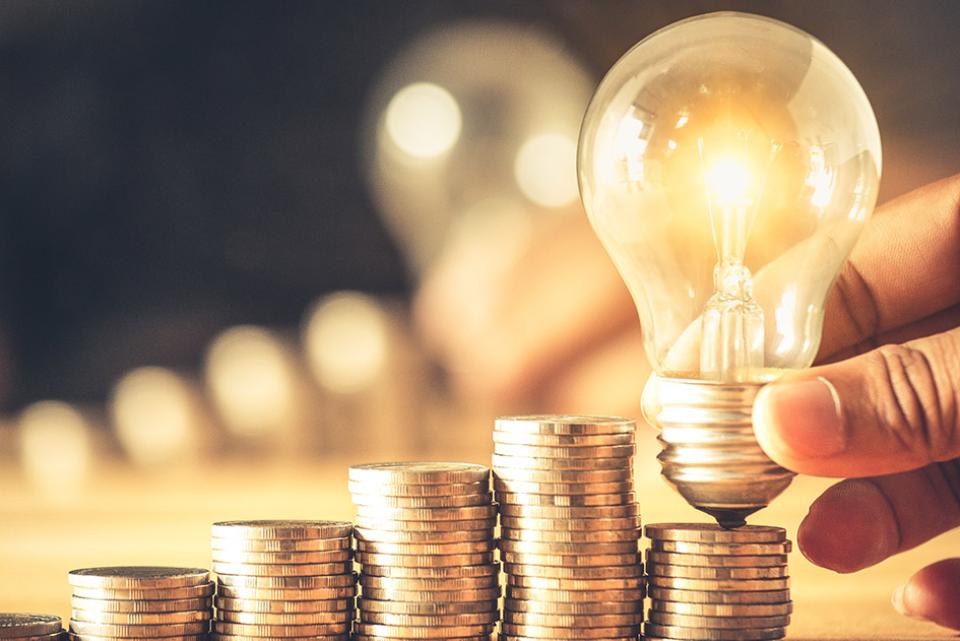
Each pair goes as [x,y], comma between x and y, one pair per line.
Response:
[56,447]
[546,170]
[423,120]
[729,182]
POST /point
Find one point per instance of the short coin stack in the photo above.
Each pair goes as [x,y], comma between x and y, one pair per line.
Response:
[711,584]
[569,527]
[140,602]
[425,544]
[30,627]
[283,579]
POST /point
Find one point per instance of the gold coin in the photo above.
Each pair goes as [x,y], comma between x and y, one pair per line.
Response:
[561,489]
[453,572]
[414,490]
[695,621]
[91,637]
[266,630]
[729,549]
[547,583]
[428,585]
[145,631]
[433,595]
[584,572]
[421,632]
[695,572]
[320,595]
[417,560]
[469,547]
[137,577]
[564,453]
[551,632]
[145,606]
[743,585]
[503,461]
[728,596]
[13,624]
[578,537]
[570,524]
[279,529]
[418,502]
[337,604]
[395,536]
[716,560]
[216,636]
[654,631]
[578,477]
[277,570]
[724,609]
[571,549]
[564,425]
[141,618]
[426,607]
[571,560]
[418,473]
[53,636]
[572,596]
[574,607]
[473,512]
[713,533]
[512,637]
[288,582]
[430,620]
[281,558]
[433,527]
[559,500]
[162,594]
[572,620]
[480,637]
[548,512]
[285,618]
[237,544]
[562,440]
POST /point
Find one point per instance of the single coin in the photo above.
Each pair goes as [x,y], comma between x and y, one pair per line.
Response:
[713,533]
[564,425]
[347,578]
[724,609]
[414,490]
[592,512]
[280,570]
[339,604]
[564,476]
[145,631]
[237,544]
[572,596]
[137,577]
[576,500]
[629,583]
[551,632]
[511,637]
[421,632]
[694,621]
[286,618]
[452,572]
[13,624]
[417,561]
[426,607]
[468,500]
[473,512]
[370,637]
[428,585]
[570,524]
[561,489]
[141,618]
[502,461]
[430,620]
[279,529]
[729,549]
[583,572]
[574,607]
[91,637]
[691,596]
[432,527]
[696,572]
[266,630]
[434,595]
[144,606]
[577,537]
[571,549]
[418,473]
[53,636]
[469,547]
[571,560]
[394,536]
[281,558]
[708,634]
[716,560]
[320,595]
[561,453]
[743,585]
[572,620]
[562,440]
[216,636]
[148,594]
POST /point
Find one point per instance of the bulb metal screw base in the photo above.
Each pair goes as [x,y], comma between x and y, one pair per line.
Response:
[710,454]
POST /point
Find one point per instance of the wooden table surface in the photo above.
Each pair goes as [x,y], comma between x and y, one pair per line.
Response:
[123,516]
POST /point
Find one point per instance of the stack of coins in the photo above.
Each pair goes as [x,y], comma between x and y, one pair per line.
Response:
[569,528]
[283,579]
[30,627]
[140,603]
[711,584]
[426,546]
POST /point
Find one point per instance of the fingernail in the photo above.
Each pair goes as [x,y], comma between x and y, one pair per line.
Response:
[802,418]
[899,601]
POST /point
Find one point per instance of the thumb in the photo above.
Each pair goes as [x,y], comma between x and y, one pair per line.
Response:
[891,410]
[931,594]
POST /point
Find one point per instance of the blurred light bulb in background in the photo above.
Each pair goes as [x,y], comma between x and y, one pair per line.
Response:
[546,169]
[728,163]
[56,448]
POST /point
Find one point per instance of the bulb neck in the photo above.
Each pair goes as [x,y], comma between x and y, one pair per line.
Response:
[710,454]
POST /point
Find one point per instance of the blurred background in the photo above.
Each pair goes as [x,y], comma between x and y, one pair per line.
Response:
[244,243]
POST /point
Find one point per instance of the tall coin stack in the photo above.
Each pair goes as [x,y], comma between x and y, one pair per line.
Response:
[140,603]
[16,626]
[569,528]
[711,584]
[283,579]
[425,545]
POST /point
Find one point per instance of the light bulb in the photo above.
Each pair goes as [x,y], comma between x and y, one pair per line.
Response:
[728,163]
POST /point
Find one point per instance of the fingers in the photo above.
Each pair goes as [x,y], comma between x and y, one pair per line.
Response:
[891,410]
[931,594]
[903,268]
[860,522]
[942,321]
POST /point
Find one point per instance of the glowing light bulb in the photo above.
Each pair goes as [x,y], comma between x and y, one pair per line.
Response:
[728,163]
[56,448]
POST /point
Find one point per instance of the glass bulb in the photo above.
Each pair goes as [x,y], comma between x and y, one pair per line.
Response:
[728,163]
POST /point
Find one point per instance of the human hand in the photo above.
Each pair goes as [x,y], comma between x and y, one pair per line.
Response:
[885,411]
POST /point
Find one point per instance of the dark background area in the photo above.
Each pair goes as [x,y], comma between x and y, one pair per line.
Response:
[173,167]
